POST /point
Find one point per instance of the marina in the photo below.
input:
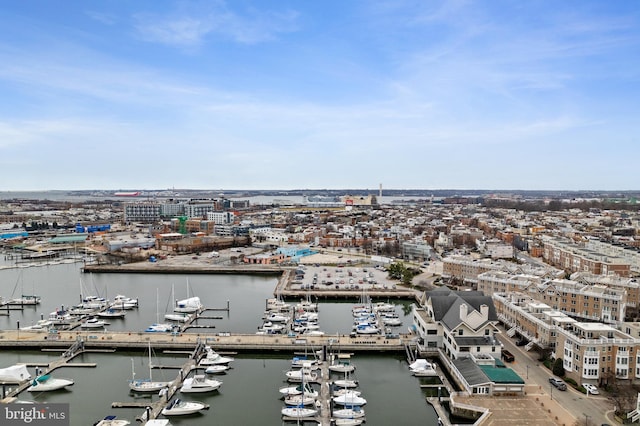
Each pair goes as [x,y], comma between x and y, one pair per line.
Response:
[267,355]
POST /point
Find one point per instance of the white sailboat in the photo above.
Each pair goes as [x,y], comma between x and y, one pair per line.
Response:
[145,385]
[189,305]
[158,326]
[299,411]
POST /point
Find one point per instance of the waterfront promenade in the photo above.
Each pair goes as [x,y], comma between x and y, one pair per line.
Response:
[20,339]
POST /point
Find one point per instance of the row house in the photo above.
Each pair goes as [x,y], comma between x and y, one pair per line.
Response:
[630,285]
[573,258]
[591,352]
[591,302]
[467,269]
[629,254]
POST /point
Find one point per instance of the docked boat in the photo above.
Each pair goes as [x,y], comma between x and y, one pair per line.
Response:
[346,383]
[349,399]
[179,407]
[276,317]
[298,412]
[423,368]
[93,323]
[159,328]
[112,421]
[178,317]
[14,374]
[342,391]
[348,422]
[366,328]
[145,385]
[214,358]
[111,313]
[349,413]
[25,300]
[297,390]
[47,383]
[300,375]
[216,369]
[189,305]
[199,383]
[342,364]
[157,422]
[123,302]
[40,325]
[300,400]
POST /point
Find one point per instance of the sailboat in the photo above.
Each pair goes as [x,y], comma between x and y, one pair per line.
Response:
[145,385]
[158,326]
[24,299]
[299,411]
[189,305]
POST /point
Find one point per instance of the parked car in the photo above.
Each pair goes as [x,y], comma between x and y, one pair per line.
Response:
[558,383]
[521,342]
[507,356]
[591,389]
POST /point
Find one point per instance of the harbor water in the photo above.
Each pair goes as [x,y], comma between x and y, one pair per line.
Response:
[249,395]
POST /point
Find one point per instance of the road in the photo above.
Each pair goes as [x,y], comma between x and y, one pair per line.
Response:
[586,409]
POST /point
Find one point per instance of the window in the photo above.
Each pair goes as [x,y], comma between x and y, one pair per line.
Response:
[460,332]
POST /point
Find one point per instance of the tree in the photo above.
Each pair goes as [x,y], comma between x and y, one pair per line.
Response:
[558,368]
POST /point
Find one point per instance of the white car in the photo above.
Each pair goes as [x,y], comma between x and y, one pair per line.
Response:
[591,389]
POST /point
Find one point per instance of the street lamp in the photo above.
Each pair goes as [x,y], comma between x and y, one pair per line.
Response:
[527,371]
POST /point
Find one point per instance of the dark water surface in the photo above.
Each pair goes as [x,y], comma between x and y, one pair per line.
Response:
[249,395]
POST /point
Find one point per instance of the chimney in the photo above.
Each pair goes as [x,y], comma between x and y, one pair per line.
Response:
[484,311]
[463,312]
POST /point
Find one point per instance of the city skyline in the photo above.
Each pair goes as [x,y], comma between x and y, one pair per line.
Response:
[448,94]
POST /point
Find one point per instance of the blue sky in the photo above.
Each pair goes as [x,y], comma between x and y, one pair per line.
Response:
[319,94]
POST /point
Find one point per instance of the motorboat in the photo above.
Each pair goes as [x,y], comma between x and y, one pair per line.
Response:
[391,321]
[216,369]
[349,413]
[298,400]
[124,302]
[276,317]
[350,399]
[94,323]
[111,313]
[422,368]
[298,362]
[200,383]
[157,422]
[14,374]
[298,412]
[47,383]
[179,407]
[277,305]
[159,328]
[189,305]
[145,385]
[112,421]
[297,390]
[366,328]
[40,325]
[214,358]
[60,316]
[383,307]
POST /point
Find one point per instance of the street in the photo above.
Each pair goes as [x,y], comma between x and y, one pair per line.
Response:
[586,409]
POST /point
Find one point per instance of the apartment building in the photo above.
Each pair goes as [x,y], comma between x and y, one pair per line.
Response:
[591,352]
[573,258]
[630,285]
[628,254]
[467,269]
[590,302]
